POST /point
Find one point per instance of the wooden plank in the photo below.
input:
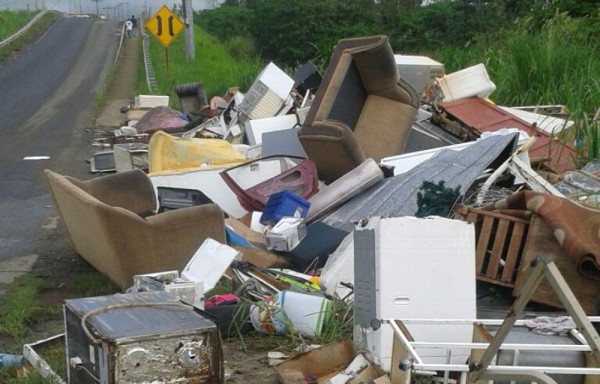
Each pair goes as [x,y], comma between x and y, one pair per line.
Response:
[480,335]
[482,243]
[497,249]
[498,215]
[512,255]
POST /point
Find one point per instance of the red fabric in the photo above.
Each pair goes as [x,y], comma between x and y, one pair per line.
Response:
[576,228]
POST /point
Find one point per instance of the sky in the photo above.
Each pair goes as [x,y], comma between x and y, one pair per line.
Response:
[89,6]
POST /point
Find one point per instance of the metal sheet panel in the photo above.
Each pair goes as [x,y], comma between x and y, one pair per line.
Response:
[397,196]
[483,116]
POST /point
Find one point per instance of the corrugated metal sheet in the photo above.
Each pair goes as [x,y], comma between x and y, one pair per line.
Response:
[483,116]
[397,196]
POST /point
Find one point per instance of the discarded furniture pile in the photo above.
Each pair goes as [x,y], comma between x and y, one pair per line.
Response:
[385,185]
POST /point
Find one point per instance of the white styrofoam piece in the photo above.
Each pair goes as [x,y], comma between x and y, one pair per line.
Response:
[340,378]
[549,124]
[209,263]
[151,101]
[407,161]
[209,182]
[339,268]
[256,128]
[302,113]
[468,82]
[424,268]
[250,152]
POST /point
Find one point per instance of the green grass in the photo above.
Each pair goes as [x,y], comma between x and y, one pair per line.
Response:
[21,307]
[12,21]
[28,37]
[213,66]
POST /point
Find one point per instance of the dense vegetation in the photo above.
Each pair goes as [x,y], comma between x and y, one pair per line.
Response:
[536,51]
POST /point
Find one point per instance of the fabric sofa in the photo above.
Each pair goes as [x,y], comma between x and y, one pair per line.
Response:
[112,224]
[362,109]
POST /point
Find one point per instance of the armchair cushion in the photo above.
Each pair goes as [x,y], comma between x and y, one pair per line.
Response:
[103,219]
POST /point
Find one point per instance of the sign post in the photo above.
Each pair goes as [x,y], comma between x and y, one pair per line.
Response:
[165,26]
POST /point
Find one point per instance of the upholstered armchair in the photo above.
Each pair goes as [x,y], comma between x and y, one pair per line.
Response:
[362,109]
[112,225]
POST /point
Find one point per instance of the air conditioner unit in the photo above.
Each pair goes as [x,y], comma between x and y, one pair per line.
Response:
[131,156]
[268,94]
[419,71]
[146,337]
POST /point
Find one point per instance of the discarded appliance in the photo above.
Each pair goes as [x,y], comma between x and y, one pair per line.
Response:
[284,204]
[103,161]
[131,156]
[140,337]
[419,71]
[150,101]
[397,266]
[363,109]
[468,82]
[482,116]
[322,364]
[268,95]
[256,128]
[192,97]
[286,234]
[485,363]
[297,175]
[305,313]
[397,196]
[104,214]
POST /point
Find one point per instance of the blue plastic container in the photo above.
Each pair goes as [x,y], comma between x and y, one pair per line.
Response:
[284,204]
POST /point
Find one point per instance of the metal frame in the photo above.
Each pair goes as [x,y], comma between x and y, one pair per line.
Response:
[484,369]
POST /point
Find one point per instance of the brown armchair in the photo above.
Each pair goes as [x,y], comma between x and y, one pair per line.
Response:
[362,108]
[112,225]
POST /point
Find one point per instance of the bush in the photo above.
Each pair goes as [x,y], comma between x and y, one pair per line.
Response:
[225,22]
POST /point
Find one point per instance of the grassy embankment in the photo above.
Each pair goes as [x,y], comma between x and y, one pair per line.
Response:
[12,21]
[213,66]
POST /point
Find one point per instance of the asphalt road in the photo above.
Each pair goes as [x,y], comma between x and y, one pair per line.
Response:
[47,97]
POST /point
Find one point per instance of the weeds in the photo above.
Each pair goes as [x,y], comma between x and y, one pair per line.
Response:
[214,66]
[21,307]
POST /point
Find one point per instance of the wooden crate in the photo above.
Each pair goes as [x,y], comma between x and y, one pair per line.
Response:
[500,240]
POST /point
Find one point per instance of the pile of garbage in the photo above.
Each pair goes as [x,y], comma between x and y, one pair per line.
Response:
[386,185]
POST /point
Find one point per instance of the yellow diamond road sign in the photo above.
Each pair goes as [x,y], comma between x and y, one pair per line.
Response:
[165,26]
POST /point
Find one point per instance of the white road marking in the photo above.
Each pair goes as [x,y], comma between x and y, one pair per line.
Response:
[36,157]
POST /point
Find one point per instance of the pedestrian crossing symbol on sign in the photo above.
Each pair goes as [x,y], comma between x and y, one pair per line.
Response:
[165,26]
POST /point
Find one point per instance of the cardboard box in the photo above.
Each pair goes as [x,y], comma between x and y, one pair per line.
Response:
[286,234]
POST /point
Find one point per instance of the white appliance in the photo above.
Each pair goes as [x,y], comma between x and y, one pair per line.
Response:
[468,82]
[406,268]
[267,95]
[419,71]
[131,156]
